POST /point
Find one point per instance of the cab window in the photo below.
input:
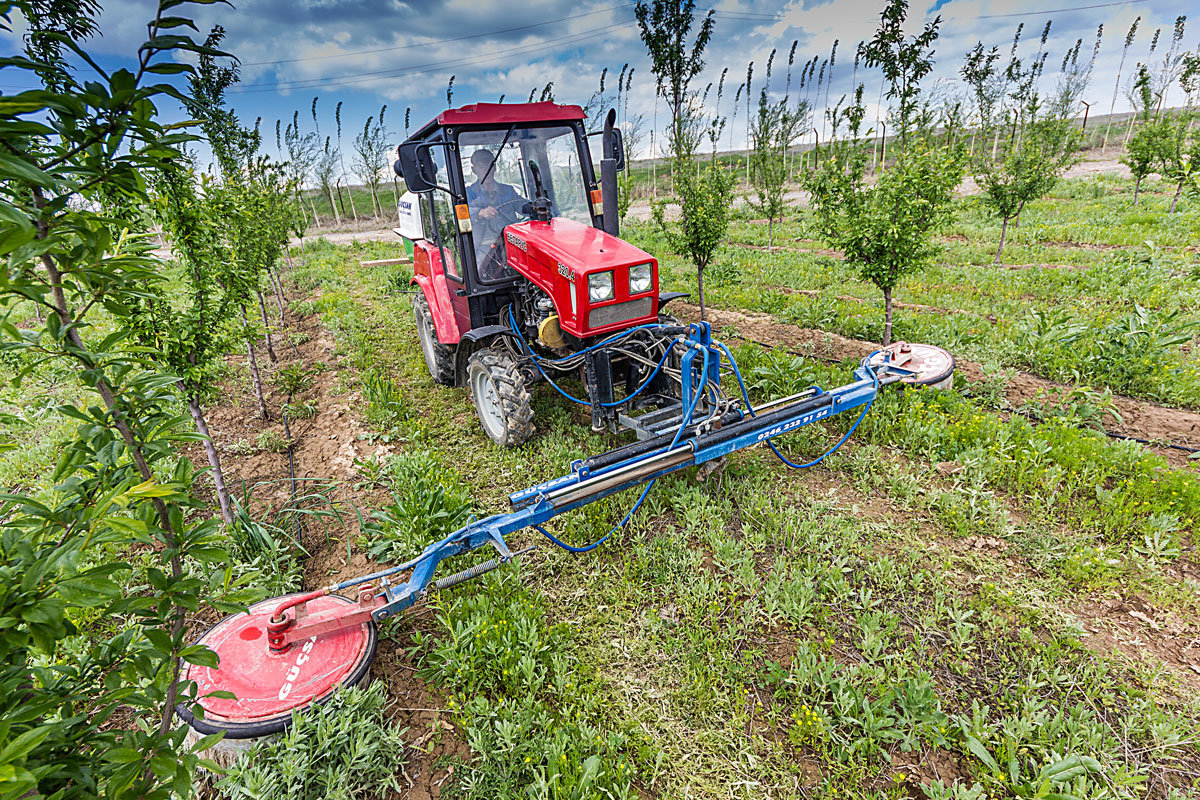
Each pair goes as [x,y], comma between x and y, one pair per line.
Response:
[500,185]
[443,220]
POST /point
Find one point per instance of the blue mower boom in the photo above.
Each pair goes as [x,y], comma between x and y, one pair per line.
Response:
[708,426]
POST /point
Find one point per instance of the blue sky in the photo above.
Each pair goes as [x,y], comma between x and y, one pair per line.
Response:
[369,52]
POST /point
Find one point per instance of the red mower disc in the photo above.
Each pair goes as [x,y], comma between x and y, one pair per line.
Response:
[933,365]
[268,686]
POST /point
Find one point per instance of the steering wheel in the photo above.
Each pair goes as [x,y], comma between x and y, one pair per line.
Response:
[500,208]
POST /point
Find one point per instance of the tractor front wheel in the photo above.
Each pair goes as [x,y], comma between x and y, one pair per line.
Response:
[438,357]
[501,396]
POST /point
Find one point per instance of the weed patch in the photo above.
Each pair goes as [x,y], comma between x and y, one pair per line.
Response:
[345,749]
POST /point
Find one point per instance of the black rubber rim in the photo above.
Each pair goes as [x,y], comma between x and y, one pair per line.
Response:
[281,722]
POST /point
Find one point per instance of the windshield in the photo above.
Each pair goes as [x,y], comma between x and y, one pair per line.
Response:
[499,193]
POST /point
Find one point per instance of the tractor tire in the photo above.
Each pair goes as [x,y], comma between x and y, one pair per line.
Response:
[501,394]
[439,358]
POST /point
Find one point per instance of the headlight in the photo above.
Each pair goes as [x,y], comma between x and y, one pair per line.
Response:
[639,279]
[600,286]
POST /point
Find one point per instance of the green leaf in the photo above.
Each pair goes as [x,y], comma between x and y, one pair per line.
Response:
[207,742]
[979,751]
[163,764]
[200,656]
[151,489]
[24,743]
[18,169]
[123,755]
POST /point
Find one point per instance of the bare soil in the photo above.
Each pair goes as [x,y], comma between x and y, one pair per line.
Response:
[326,446]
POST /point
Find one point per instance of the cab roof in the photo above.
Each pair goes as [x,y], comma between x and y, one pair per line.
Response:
[499,115]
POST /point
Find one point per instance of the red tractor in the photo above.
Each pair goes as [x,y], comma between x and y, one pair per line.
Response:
[521,275]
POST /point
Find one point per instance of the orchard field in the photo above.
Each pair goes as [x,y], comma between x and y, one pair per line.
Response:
[210,397]
[982,589]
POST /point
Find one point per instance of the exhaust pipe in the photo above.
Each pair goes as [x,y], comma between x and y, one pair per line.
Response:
[608,175]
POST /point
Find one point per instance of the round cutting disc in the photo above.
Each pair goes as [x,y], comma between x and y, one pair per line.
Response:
[932,365]
[268,687]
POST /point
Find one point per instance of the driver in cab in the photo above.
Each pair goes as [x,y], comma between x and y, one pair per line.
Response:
[493,205]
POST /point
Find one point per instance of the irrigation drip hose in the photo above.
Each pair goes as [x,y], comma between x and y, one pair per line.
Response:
[1185,448]
[287,431]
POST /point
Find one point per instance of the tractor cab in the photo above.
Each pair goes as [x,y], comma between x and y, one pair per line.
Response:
[517,257]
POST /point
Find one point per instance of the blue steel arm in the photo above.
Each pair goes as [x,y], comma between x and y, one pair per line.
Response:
[540,504]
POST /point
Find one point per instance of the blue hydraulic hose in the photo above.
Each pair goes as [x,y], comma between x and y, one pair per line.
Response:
[830,451]
[535,358]
[687,419]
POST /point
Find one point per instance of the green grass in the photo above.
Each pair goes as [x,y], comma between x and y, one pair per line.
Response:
[771,633]
[1073,325]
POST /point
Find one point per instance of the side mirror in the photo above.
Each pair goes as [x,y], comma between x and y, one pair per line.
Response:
[618,149]
[414,164]
[611,141]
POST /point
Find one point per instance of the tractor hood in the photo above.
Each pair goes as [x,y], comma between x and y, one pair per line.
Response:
[561,255]
[581,248]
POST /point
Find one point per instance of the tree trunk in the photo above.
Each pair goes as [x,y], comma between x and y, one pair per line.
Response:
[134,448]
[700,290]
[1017,218]
[1137,186]
[1175,199]
[278,284]
[769,226]
[214,460]
[254,373]
[262,310]
[312,203]
[350,195]
[1000,249]
[887,317]
[303,213]
[333,204]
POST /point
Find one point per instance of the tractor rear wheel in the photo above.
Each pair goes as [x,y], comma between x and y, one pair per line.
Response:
[501,396]
[439,358]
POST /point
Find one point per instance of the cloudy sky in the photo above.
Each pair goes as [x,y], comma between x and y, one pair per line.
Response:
[365,53]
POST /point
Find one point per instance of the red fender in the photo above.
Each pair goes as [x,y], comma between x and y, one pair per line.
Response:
[429,276]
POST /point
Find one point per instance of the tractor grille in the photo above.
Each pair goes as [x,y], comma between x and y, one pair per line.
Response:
[619,312]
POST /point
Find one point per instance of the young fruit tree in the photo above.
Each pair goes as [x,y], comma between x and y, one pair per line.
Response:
[886,230]
[775,129]
[706,201]
[119,535]
[675,59]
[370,150]
[705,196]
[1180,156]
[1146,143]
[254,201]
[303,153]
[1034,140]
